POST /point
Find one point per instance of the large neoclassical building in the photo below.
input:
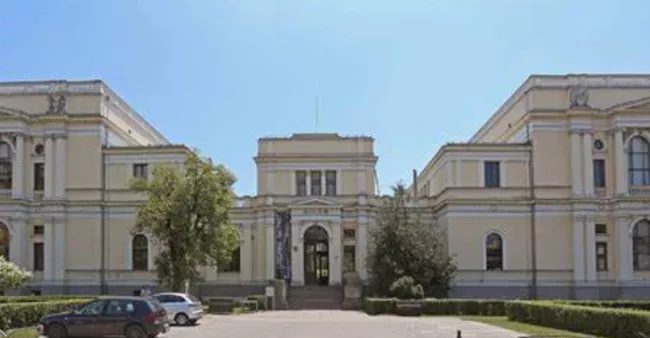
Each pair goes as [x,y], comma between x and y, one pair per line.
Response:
[550,197]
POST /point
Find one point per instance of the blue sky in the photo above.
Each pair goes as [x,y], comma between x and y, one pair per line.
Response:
[413,74]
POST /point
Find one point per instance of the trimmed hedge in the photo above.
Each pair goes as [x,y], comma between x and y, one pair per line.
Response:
[23,314]
[261,301]
[440,307]
[616,304]
[599,321]
[34,299]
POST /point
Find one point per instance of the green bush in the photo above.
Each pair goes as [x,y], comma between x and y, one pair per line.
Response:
[378,306]
[599,321]
[34,299]
[405,288]
[616,304]
[440,307]
[261,301]
[23,314]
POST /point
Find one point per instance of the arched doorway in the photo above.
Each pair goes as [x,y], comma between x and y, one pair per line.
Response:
[4,241]
[317,269]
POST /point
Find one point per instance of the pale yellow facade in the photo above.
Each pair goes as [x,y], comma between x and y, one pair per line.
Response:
[544,200]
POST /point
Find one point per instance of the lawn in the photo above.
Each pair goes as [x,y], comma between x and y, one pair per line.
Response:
[524,327]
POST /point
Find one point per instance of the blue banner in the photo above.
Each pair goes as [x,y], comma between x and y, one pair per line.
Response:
[283,245]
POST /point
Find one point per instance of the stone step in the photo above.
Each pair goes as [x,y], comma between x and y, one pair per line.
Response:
[315,297]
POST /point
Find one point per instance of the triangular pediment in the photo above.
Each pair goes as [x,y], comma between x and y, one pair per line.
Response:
[315,202]
[9,112]
[642,104]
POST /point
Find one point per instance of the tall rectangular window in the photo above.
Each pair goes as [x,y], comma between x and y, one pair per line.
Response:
[601,256]
[330,183]
[492,174]
[141,170]
[316,183]
[599,173]
[301,183]
[39,176]
[39,257]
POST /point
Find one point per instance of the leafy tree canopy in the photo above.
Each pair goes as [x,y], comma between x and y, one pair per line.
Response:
[403,244]
[11,275]
[187,213]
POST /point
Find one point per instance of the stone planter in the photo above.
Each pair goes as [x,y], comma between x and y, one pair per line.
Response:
[411,307]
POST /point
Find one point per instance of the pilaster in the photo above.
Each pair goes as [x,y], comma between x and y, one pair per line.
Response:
[308,183]
[620,164]
[49,167]
[362,248]
[48,248]
[18,168]
[246,253]
[624,247]
[270,250]
[576,167]
[588,164]
[61,161]
[335,252]
[297,255]
[590,246]
[18,242]
[59,250]
[578,249]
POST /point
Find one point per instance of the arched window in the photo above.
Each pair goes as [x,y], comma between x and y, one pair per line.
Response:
[4,241]
[494,252]
[641,246]
[5,166]
[140,253]
[638,161]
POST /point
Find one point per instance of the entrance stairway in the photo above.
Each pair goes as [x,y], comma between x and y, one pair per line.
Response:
[315,297]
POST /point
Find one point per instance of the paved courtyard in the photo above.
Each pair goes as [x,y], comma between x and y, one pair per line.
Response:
[334,324]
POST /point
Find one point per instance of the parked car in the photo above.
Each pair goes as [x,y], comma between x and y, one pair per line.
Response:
[182,309]
[133,317]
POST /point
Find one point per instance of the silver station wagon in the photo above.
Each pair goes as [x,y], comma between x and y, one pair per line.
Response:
[182,309]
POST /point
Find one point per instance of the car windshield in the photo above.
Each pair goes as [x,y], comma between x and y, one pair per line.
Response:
[193,299]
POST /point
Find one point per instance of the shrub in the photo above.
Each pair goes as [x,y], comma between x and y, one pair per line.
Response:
[600,321]
[616,304]
[34,299]
[14,315]
[405,288]
[261,301]
[11,275]
[440,307]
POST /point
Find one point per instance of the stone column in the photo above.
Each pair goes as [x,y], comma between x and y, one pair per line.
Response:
[17,243]
[576,160]
[620,163]
[308,183]
[48,254]
[590,245]
[270,251]
[61,161]
[18,168]
[59,250]
[588,164]
[297,256]
[339,182]
[624,264]
[246,253]
[362,248]
[323,183]
[335,252]
[49,166]
[578,247]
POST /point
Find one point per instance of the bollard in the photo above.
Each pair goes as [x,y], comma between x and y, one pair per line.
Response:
[459,334]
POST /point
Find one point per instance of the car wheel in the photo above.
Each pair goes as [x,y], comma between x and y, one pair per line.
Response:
[135,332]
[56,331]
[181,319]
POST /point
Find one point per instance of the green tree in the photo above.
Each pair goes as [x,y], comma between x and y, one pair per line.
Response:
[403,244]
[187,213]
[11,275]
